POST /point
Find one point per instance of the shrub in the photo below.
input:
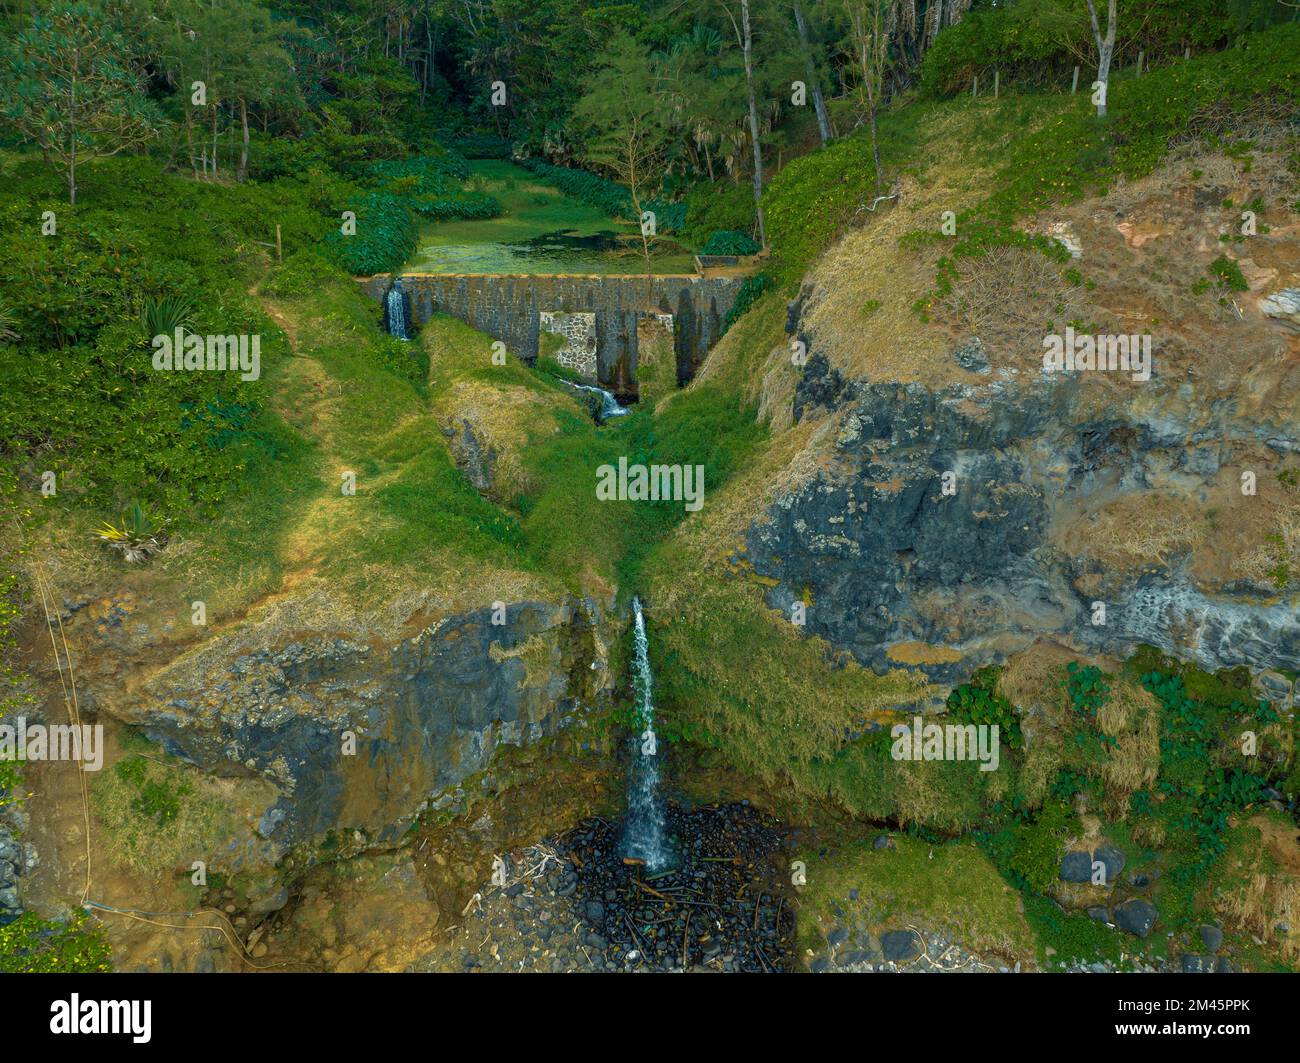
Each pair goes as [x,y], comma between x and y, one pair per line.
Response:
[978,702]
[751,290]
[584,186]
[1030,43]
[721,205]
[300,274]
[1036,851]
[1226,271]
[31,945]
[470,206]
[163,316]
[729,242]
[483,146]
[385,237]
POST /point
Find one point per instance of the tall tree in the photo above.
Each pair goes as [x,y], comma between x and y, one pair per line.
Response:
[871,23]
[745,41]
[67,83]
[702,83]
[814,75]
[238,51]
[624,108]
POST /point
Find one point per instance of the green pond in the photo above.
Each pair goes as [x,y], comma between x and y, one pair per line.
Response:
[540,230]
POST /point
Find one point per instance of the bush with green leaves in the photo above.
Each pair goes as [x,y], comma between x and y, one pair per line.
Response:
[483,146]
[79,387]
[606,196]
[1035,44]
[718,206]
[385,236]
[978,702]
[816,196]
[468,206]
[300,274]
[1228,274]
[1035,854]
[32,945]
[752,289]
[586,187]
[729,242]
[163,315]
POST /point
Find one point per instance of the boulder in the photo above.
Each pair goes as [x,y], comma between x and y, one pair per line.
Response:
[1136,916]
[900,945]
[1076,866]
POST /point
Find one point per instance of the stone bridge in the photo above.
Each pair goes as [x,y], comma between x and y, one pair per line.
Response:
[597,315]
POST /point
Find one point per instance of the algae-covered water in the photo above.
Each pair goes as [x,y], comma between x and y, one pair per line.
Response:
[540,230]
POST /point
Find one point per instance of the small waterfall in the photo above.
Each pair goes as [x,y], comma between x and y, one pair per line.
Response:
[395,310]
[644,837]
[609,406]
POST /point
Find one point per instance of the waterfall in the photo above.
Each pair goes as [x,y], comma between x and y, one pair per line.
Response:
[609,406]
[644,837]
[395,307]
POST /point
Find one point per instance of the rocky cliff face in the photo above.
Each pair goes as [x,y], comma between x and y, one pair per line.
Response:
[905,568]
[361,734]
[355,723]
[970,501]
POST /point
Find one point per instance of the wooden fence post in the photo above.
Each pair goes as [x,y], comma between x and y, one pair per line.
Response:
[279,250]
[997,74]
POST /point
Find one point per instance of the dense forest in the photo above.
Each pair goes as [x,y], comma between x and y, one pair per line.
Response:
[897,199]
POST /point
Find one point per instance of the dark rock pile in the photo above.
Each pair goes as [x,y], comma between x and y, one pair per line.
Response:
[723,907]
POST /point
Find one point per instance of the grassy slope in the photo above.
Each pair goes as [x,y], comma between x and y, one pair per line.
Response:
[950,888]
[736,676]
[742,678]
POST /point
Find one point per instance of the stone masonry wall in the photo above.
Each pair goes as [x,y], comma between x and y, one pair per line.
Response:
[509,307]
[579,332]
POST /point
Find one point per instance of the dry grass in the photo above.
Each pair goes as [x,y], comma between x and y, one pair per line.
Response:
[1256,887]
[1131,715]
[1033,681]
[1277,554]
[1008,298]
[503,420]
[1135,530]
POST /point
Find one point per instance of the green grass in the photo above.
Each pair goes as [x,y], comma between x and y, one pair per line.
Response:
[568,527]
[952,888]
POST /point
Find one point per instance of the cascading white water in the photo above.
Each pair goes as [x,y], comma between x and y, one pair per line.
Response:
[644,837]
[609,406]
[395,306]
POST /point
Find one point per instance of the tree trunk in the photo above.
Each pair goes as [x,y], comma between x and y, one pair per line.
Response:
[189,105]
[634,188]
[1105,48]
[875,146]
[72,127]
[753,124]
[243,152]
[814,79]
